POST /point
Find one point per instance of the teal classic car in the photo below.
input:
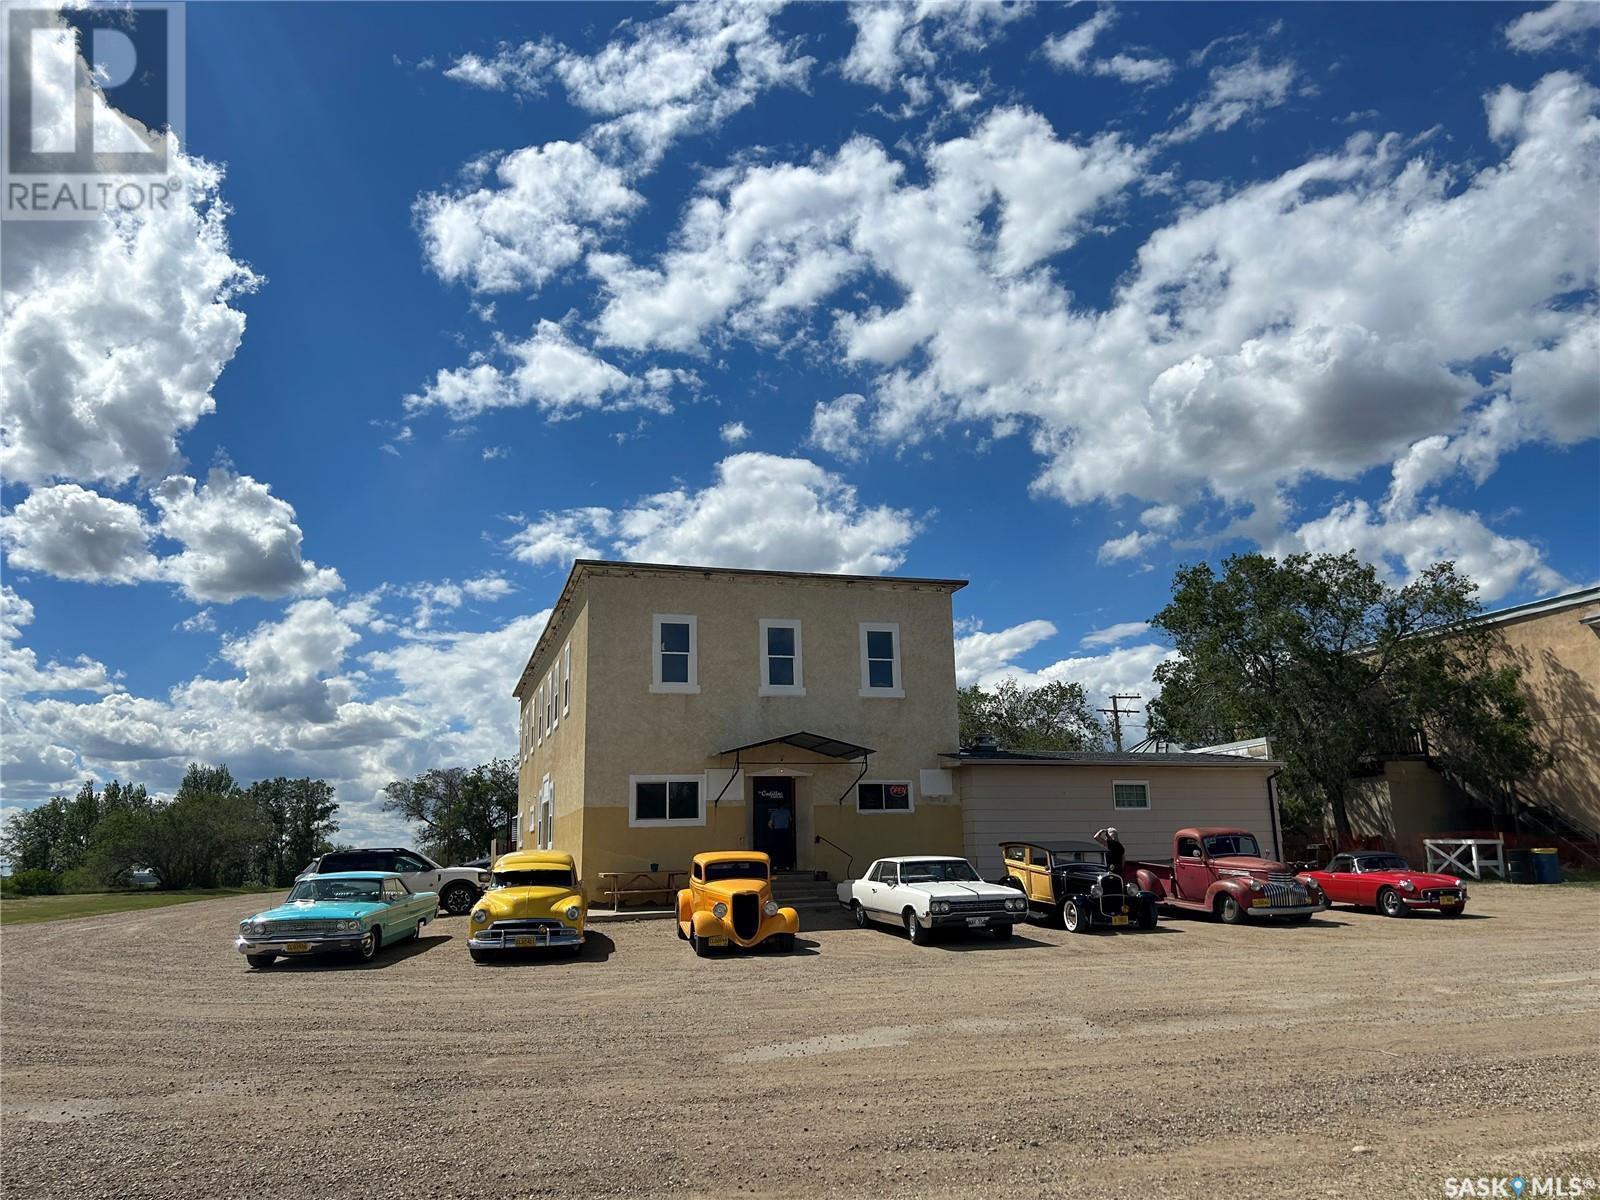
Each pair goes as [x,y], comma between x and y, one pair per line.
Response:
[355,912]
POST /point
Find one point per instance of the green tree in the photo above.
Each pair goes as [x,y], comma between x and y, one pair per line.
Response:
[1335,666]
[1054,716]
[298,819]
[458,812]
[207,835]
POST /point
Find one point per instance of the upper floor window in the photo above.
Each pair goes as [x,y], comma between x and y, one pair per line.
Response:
[538,714]
[674,665]
[883,797]
[566,678]
[880,660]
[782,669]
[552,709]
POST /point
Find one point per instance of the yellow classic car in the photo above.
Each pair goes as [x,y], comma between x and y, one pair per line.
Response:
[729,903]
[533,901]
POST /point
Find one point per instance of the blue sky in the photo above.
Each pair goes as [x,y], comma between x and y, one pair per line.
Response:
[1053,298]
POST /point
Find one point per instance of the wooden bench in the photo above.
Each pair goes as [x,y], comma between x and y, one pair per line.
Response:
[619,885]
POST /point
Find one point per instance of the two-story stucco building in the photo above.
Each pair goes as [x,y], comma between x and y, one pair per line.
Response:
[668,710]
[671,709]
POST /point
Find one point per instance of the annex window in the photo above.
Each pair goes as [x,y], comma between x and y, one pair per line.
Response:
[782,666]
[566,679]
[880,660]
[666,800]
[674,654]
[892,796]
[1130,794]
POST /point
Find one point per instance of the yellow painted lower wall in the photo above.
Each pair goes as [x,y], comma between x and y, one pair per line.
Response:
[929,829]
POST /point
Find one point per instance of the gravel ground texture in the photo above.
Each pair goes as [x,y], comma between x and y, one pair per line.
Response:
[1354,1056]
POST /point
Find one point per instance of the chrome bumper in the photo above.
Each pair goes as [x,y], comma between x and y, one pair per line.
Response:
[990,919]
[491,939]
[1287,910]
[313,945]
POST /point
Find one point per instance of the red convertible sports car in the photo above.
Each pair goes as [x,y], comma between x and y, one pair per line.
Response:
[1380,880]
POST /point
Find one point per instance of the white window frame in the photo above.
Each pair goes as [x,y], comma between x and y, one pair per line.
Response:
[1144,783]
[545,835]
[538,713]
[764,688]
[566,679]
[555,698]
[911,798]
[522,730]
[657,620]
[898,691]
[634,821]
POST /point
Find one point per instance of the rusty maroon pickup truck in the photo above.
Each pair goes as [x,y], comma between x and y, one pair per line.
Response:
[1222,872]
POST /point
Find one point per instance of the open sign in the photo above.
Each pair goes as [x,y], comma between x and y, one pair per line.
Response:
[899,790]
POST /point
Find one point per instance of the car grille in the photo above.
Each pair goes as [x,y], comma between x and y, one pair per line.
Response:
[512,928]
[747,915]
[1113,895]
[977,906]
[291,929]
[1432,894]
[1284,891]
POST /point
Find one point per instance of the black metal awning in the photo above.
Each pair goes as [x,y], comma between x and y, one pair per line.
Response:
[817,743]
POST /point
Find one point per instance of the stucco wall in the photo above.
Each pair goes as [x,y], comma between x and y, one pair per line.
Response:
[631,730]
[1560,662]
[1053,801]
[561,753]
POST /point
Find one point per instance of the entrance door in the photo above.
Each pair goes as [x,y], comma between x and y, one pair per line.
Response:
[772,819]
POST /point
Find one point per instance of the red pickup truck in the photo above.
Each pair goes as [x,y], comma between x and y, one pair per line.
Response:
[1222,871]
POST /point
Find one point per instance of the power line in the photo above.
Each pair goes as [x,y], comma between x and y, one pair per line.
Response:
[1115,712]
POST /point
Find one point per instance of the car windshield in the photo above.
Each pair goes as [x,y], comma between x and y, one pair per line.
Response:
[363,890]
[541,877]
[938,870]
[1229,845]
[735,869]
[1382,862]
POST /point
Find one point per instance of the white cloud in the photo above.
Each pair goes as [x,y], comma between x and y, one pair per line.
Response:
[492,586]
[1402,544]
[1162,517]
[762,511]
[1558,24]
[548,205]
[72,533]
[238,540]
[521,68]
[1237,90]
[20,672]
[979,653]
[1131,545]
[1112,634]
[1072,51]
[1127,671]
[733,433]
[836,426]
[898,45]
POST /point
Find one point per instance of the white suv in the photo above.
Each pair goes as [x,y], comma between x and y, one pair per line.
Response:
[458,888]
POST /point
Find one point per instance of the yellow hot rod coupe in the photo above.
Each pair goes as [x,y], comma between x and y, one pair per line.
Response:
[533,901]
[729,903]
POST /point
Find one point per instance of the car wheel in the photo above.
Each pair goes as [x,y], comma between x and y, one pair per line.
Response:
[859,913]
[458,899]
[1453,912]
[1147,917]
[914,929]
[1072,918]
[1390,904]
[1229,912]
[416,934]
[783,943]
[260,961]
[369,945]
[700,945]
[1001,932]
[682,936]
[478,956]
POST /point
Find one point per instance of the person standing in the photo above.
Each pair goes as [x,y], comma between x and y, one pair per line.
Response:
[1115,853]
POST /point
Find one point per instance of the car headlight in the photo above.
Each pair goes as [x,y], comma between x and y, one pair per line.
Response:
[573,912]
[485,878]
[349,925]
[1255,885]
[479,916]
[1407,886]
[258,927]
[770,908]
[941,906]
[1013,905]
[719,910]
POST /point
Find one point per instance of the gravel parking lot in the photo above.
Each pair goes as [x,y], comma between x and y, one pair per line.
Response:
[1350,1057]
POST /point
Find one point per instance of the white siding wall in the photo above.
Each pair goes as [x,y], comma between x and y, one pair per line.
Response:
[1056,801]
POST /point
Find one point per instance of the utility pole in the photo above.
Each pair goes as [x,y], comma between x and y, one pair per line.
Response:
[1115,712]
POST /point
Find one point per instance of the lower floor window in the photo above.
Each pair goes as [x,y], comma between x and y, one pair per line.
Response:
[883,797]
[664,800]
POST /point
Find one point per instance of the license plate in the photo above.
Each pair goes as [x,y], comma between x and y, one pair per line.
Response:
[1448,900]
[722,941]
[525,940]
[1119,920]
[977,922]
[296,947]
[1261,904]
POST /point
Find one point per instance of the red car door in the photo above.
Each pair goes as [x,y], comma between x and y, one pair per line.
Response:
[1191,875]
[1339,880]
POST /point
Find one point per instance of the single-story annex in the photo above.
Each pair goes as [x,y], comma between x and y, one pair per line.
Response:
[667,710]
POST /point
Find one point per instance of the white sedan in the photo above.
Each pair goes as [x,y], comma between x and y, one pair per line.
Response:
[923,893]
